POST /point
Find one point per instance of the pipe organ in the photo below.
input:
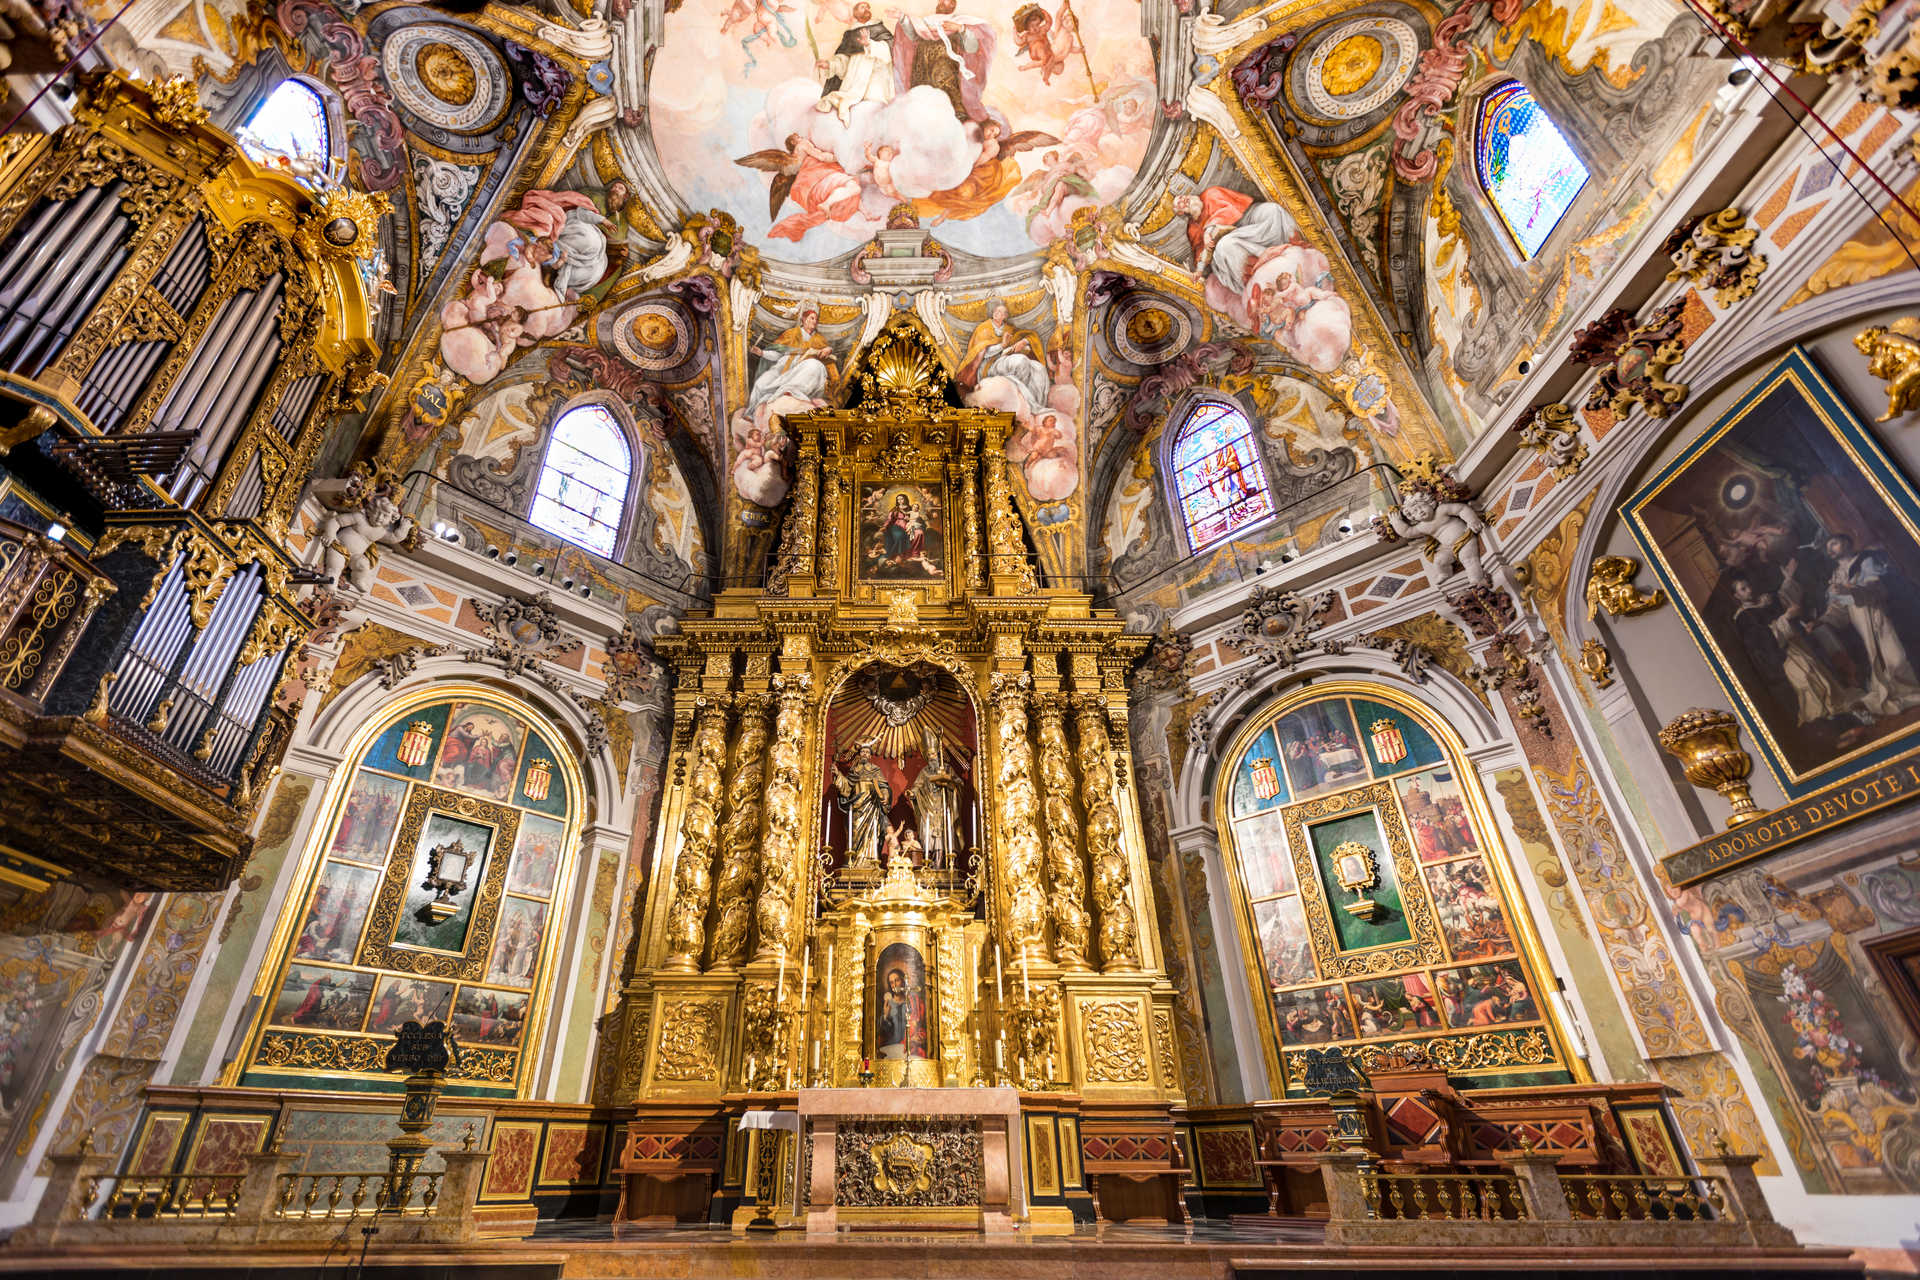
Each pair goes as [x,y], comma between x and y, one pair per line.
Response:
[159,422]
[898,845]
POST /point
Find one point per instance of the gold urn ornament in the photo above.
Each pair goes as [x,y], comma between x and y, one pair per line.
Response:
[1707,744]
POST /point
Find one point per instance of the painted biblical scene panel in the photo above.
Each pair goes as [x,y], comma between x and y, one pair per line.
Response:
[1320,748]
[322,999]
[1385,1006]
[1284,942]
[424,919]
[1487,995]
[1790,543]
[902,537]
[371,813]
[399,1000]
[998,121]
[332,926]
[1313,1017]
[1437,817]
[536,856]
[1469,910]
[900,1003]
[481,753]
[481,1016]
[1261,844]
[516,943]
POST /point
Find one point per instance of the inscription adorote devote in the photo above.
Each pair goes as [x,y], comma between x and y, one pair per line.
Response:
[1881,787]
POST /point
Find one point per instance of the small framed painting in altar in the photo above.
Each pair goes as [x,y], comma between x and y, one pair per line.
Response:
[902,532]
[901,1035]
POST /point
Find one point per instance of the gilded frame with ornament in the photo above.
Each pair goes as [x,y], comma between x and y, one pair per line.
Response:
[1795,375]
[354,1056]
[1527,940]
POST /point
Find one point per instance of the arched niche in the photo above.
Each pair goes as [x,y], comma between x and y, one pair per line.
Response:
[1374,903]
[435,886]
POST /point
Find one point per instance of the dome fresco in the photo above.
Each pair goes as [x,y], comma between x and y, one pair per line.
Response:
[810,122]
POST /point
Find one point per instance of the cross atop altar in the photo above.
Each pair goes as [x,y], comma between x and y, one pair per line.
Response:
[889,1158]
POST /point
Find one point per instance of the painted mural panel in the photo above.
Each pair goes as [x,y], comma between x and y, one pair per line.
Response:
[1378,871]
[1790,542]
[379,946]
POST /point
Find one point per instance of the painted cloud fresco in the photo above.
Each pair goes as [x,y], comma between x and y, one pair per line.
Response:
[811,120]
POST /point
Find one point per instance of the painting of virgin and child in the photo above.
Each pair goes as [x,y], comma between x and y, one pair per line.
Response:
[901,535]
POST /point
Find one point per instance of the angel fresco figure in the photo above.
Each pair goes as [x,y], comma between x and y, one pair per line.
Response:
[862,790]
[812,178]
[1261,272]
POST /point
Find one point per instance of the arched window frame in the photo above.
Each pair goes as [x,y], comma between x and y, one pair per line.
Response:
[1170,468]
[636,458]
[336,168]
[1483,104]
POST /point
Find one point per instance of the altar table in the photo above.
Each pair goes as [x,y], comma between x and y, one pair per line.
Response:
[891,1158]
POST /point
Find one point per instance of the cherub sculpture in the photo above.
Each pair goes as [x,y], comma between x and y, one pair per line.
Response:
[1893,356]
[1610,587]
[368,519]
[1436,506]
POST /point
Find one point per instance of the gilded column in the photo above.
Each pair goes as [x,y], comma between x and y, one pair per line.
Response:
[780,842]
[740,836]
[1112,880]
[1024,926]
[1008,549]
[693,874]
[1067,878]
[796,553]
[827,552]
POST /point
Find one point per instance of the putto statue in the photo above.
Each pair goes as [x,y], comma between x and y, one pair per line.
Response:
[368,518]
[1437,507]
[1893,356]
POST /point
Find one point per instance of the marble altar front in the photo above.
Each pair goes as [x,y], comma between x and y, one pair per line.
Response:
[881,1158]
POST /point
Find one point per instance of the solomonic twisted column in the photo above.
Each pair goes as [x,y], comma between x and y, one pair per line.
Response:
[693,874]
[1024,926]
[1067,878]
[780,840]
[1112,879]
[740,837]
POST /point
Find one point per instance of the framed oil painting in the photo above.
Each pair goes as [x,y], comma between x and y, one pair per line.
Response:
[1791,545]
[902,532]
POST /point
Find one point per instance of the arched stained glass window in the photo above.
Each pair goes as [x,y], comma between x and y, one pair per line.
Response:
[289,130]
[1217,474]
[582,493]
[1529,172]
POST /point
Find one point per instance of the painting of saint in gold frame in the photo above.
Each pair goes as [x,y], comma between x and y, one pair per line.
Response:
[1791,546]
[902,532]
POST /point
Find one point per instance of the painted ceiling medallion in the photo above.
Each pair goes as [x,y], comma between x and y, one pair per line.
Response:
[1358,66]
[446,76]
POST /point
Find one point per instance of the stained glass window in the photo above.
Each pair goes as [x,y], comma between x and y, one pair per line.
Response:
[289,130]
[583,483]
[1526,166]
[1217,474]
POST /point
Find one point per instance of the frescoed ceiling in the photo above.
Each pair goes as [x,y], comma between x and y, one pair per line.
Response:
[1098,207]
